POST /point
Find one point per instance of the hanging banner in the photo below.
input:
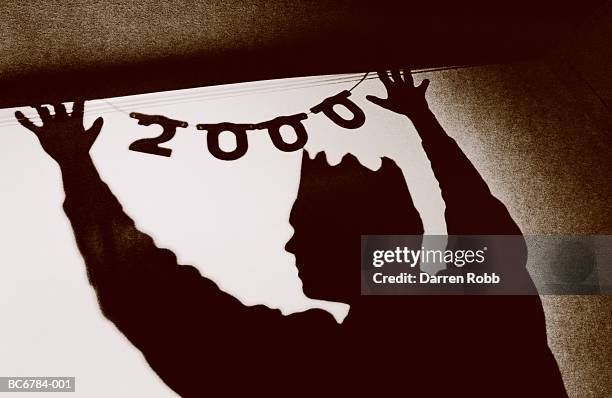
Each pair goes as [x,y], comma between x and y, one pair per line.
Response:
[239,130]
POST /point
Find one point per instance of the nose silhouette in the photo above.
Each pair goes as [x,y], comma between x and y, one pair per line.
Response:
[290,245]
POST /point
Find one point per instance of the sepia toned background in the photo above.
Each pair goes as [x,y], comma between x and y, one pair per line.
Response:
[538,129]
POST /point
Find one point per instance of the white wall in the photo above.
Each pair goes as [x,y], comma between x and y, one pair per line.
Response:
[229,219]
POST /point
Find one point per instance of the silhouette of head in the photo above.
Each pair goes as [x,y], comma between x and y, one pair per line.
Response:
[335,205]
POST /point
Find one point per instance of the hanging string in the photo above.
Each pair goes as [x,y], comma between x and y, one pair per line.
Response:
[241,92]
[102,107]
[231,93]
[359,82]
[105,106]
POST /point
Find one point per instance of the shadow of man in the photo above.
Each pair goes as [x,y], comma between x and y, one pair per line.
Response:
[202,341]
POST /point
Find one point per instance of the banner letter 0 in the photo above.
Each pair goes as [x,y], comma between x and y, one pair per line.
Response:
[212,139]
[295,121]
[327,107]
